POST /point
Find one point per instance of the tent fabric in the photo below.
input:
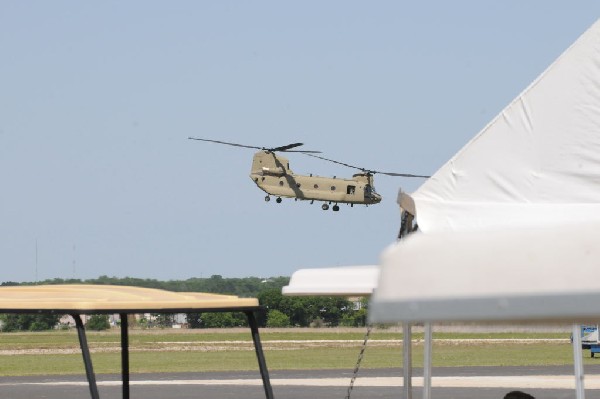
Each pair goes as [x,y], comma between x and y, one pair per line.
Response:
[537,160]
[84,297]
[333,281]
[530,274]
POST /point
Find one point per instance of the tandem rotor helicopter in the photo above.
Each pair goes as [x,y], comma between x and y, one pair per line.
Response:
[272,174]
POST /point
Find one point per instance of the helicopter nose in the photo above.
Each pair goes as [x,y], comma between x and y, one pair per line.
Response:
[376,198]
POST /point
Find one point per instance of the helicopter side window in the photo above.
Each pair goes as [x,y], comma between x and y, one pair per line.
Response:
[350,190]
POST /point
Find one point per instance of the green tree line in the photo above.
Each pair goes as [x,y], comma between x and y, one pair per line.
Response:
[216,284]
[279,310]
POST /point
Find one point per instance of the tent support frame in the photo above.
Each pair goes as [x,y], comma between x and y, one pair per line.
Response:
[427,362]
[407,359]
[578,362]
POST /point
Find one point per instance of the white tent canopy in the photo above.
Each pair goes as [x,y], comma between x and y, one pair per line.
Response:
[512,213]
[538,161]
[527,274]
[510,226]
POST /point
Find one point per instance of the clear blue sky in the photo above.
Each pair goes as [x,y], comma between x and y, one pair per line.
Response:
[97,100]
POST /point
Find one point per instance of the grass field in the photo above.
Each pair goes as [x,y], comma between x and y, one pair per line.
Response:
[57,352]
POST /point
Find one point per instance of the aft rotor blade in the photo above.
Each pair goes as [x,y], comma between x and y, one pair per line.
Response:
[225,142]
[286,147]
[398,174]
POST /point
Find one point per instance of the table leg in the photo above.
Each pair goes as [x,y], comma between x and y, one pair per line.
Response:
[262,364]
[125,354]
[87,359]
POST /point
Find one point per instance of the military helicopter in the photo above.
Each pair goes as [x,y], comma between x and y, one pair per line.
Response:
[271,172]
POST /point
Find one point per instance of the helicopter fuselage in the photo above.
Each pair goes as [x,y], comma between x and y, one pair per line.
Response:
[272,174]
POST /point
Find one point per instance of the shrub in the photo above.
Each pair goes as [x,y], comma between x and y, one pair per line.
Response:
[275,318]
[98,322]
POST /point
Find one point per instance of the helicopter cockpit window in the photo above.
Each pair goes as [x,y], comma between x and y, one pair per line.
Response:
[368,190]
[350,189]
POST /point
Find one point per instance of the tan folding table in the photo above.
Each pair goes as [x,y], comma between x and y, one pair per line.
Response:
[81,299]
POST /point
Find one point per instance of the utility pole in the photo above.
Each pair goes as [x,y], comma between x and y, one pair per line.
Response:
[36,261]
[74,264]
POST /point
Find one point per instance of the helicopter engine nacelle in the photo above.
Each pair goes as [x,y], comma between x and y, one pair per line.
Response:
[273,171]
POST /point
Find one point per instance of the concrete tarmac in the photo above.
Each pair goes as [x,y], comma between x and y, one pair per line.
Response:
[556,382]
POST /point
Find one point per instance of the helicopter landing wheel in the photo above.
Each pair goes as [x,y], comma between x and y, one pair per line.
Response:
[324,207]
[267,198]
[335,208]
[278,200]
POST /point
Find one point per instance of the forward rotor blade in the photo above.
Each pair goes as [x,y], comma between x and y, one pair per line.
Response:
[225,142]
[338,162]
[368,170]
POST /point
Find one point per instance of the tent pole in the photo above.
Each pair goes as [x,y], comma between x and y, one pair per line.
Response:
[578,362]
[427,362]
[407,359]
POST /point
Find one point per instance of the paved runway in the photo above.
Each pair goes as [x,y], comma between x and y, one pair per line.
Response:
[448,383]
